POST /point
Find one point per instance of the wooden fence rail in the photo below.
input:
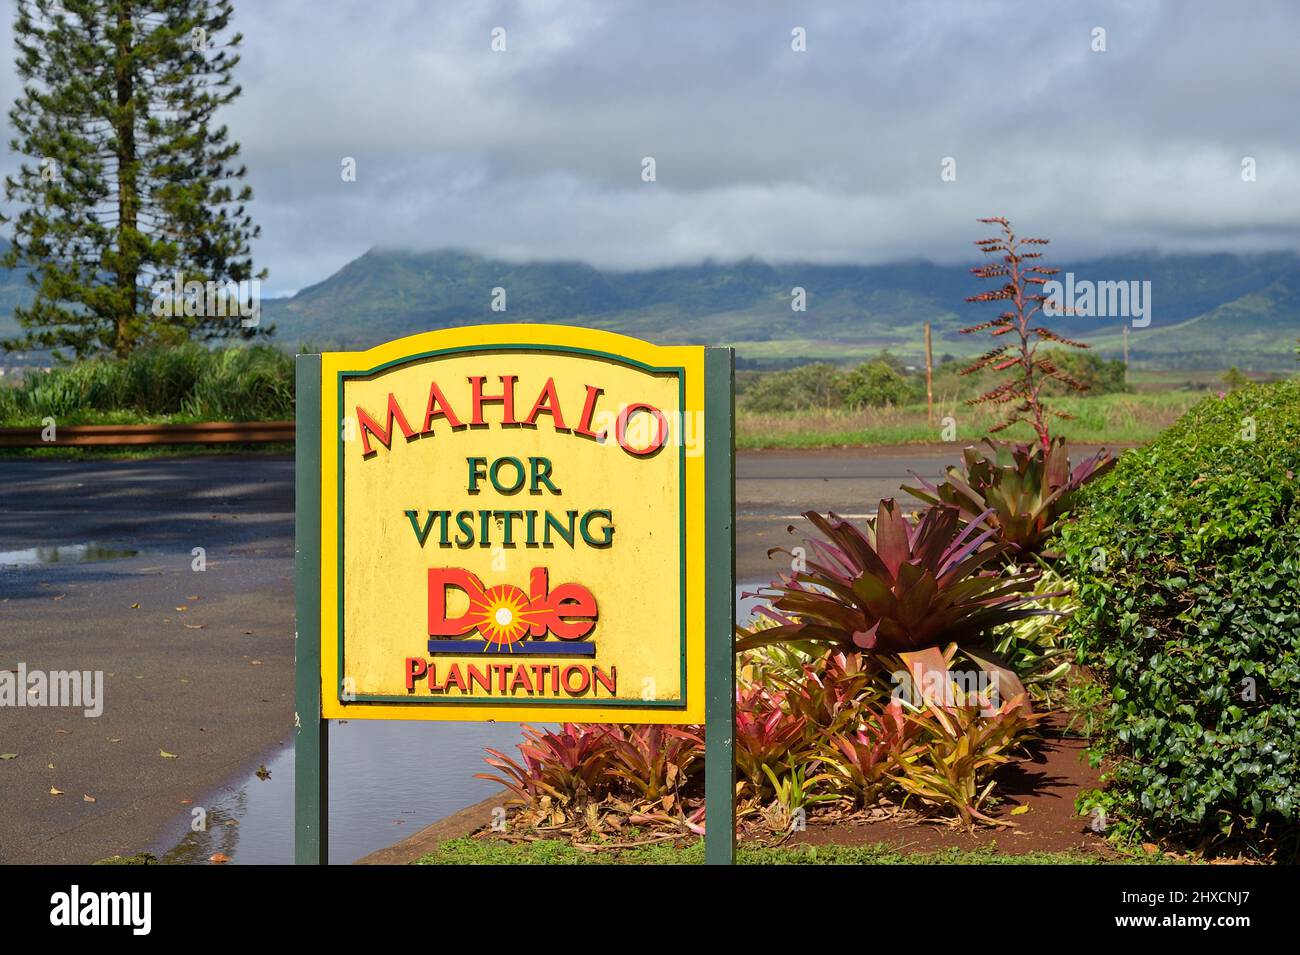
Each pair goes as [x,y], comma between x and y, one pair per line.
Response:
[110,435]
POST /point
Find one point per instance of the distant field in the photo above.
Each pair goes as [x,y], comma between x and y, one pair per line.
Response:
[1106,418]
[1192,380]
[805,350]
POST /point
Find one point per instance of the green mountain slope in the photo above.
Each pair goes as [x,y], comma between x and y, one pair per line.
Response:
[14,290]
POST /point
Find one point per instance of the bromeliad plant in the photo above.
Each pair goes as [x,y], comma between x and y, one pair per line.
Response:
[655,762]
[1036,649]
[562,769]
[901,586]
[1020,490]
[831,692]
[861,761]
[767,734]
[841,746]
[961,745]
[796,790]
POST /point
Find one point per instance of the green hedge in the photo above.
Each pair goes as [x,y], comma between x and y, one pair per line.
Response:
[1187,560]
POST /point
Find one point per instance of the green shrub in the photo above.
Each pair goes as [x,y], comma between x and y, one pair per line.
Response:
[1187,563]
[1103,376]
[798,389]
[875,383]
[823,386]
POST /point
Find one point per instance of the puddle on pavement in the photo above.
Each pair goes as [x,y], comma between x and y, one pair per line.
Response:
[746,606]
[388,780]
[66,554]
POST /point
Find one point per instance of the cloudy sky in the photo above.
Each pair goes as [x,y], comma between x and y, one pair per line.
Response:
[833,154]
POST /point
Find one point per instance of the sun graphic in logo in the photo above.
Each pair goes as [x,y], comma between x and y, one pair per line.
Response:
[502,617]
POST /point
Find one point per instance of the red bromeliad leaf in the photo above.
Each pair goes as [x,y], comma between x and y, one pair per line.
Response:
[910,584]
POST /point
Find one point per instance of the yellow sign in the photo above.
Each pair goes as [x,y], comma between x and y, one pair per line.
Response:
[512,528]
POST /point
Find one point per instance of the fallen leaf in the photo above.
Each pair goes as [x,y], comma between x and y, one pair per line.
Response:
[49,766]
[1150,848]
[166,755]
[263,772]
[194,626]
[135,606]
[256,663]
[59,597]
[1020,810]
[115,739]
[55,792]
[61,732]
[217,858]
[8,755]
[186,802]
[183,607]
[192,598]
[85,798]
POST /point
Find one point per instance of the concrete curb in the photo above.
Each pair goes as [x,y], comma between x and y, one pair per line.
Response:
[457,825]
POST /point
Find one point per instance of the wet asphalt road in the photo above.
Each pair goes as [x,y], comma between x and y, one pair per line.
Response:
[202,668]
[773,488]
[197,663]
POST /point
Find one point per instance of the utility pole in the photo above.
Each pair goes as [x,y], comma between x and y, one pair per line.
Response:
[929,374]
[1126,354]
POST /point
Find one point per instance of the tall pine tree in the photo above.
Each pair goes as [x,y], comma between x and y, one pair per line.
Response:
[128,178]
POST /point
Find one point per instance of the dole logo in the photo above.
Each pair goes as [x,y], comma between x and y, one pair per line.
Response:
[504,615]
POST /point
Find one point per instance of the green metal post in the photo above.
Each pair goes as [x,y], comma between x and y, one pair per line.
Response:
[311,733]
[720,606]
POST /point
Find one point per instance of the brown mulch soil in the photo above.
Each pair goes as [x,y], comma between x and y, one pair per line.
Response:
[1047,782]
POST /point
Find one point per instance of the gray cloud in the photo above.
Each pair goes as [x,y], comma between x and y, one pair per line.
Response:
[829,155]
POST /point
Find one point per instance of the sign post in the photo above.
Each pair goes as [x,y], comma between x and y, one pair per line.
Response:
[720,655]
[515,522]
[310,730]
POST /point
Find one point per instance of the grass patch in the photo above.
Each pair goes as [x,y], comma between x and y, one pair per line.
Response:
[1118,418]
[140,858]
[469,851]
[182,384]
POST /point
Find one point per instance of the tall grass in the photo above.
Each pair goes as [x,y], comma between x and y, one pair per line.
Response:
[1104,418]
[188,382]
